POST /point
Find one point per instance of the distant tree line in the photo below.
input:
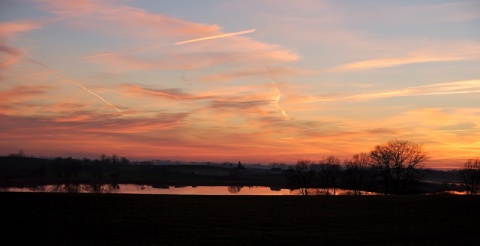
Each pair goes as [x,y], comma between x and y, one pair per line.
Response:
[471,176]
[395,166]
[61,170]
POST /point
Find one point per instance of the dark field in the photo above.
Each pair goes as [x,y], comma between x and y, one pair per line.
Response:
[112,219]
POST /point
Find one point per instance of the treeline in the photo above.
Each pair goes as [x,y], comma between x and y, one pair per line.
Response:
[19,166]
[395,167]
[20,170]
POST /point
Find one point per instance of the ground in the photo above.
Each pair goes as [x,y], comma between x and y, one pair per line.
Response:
[114,219]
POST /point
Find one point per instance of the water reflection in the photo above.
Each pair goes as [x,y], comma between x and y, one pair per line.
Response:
[184,190]
[68,188]
[234,189]
[157,189]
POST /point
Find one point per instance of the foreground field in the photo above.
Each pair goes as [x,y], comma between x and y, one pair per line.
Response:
[113,219]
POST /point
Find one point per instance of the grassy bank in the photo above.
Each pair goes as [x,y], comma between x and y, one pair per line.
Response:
[87,219]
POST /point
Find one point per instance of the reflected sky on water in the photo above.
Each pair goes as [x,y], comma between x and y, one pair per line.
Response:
[184,190]
[147,189]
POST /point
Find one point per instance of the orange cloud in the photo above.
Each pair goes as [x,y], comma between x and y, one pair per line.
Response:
[8,30]
[254,72]
[241,98]
[73,8]
[15,99]
[456,87]
[22,92]
[432,53]
[101,15]
[239,50]
[391,62]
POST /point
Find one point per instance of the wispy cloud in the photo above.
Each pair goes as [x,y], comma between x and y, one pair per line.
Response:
[101,15]
[8,30]
[243,51]
[172,94]
[20,92]
[392,62]
[457,87]
[282,72]
[177,43]
[458,51]
[15,99]
[229,99]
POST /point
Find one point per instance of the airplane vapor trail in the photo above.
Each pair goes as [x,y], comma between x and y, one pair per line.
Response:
[216,36]
[177,43]
[277,100]
[61,76]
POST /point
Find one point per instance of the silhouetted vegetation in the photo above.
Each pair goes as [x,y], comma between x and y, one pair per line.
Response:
[329,174]
[398,163]
[356,176]
[471,176]
[391,168]
[303,176]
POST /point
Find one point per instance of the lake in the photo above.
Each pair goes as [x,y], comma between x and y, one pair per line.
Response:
[168,190]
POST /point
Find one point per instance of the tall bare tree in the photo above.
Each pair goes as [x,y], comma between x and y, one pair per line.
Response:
[471,176]
[329,174]
[303,176]
[356,172]
[399,163]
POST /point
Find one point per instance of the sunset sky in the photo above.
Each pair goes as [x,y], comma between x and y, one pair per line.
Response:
[260,82]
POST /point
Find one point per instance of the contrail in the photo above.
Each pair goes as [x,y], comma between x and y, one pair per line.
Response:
[449,88]
[277,101]
[60,75]
[216,36]
[177,43]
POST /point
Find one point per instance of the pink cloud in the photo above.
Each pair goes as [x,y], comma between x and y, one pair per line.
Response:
[163,32]
[9,30]
[102,15]
[73,8]
[268,73]
[15,100]
[240,51]
[214,103]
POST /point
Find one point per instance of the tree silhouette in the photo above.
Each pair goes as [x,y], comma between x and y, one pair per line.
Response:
[398,162]
[356,172]
[329,174]
[302,176]
[234,189]
[471,176]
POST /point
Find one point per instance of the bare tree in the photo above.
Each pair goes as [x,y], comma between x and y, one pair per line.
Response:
[356,172]
[329,174]
[234,189]
[399,163]
[471,176]
[302,176]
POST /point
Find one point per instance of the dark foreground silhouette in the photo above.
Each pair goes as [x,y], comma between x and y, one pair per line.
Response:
[113,219]
[30,172]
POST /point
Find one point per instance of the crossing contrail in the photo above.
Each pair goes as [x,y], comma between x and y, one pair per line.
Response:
[216,36]
[61,76]
[277,90]
[177,43]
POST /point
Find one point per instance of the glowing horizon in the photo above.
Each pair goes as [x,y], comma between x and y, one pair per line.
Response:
[311,80]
